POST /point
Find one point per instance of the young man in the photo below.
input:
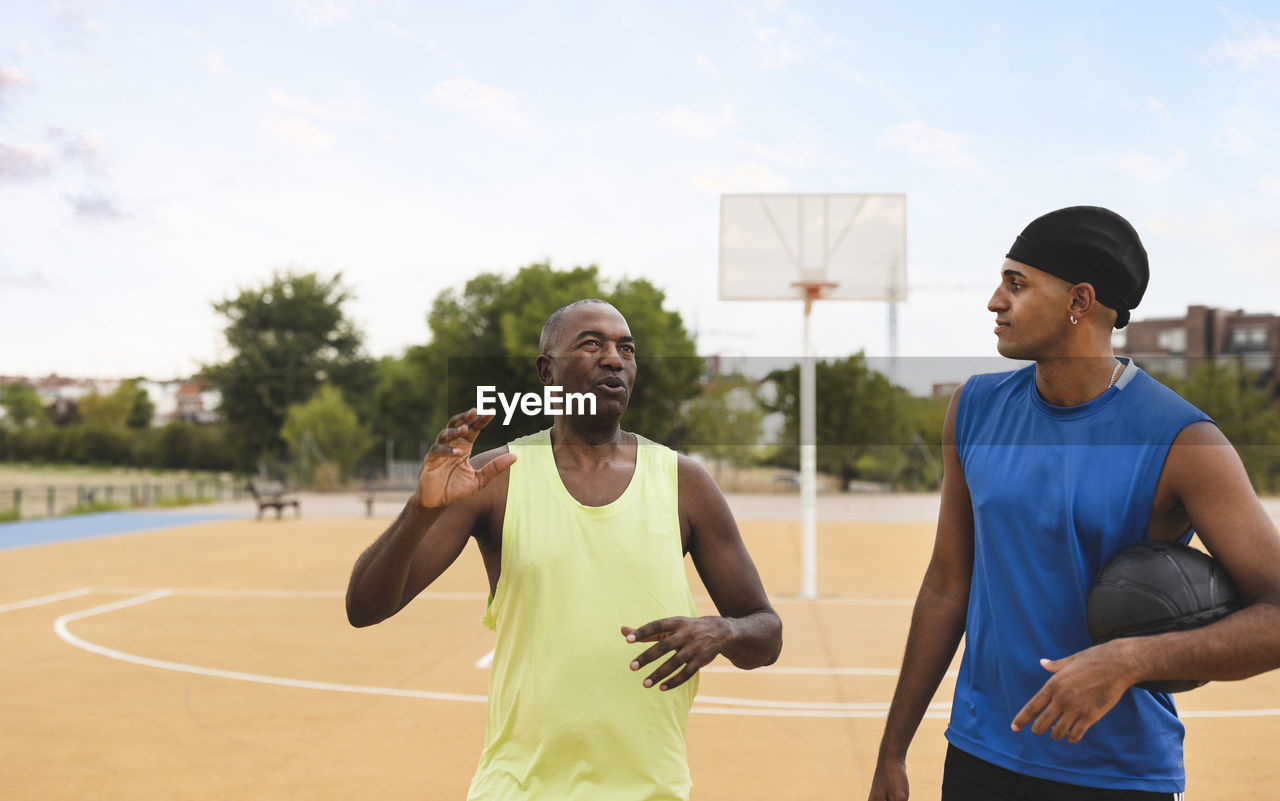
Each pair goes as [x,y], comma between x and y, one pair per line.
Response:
[1050,471]
[583,530]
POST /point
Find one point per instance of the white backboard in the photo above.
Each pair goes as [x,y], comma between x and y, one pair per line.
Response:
[772,243]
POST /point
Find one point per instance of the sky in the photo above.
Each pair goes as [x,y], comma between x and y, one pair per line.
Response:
[157,157]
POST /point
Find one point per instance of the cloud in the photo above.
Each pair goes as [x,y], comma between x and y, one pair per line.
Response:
[300,105]
[805,156]
[1252,44]
[480,103]
[11,78]
[33,279]
[705,66]
[22,162]
[397,31]
[770,52]
[210,60]
[1249,245]
[1235,141]
[320,13]
[1271,185]
[1156,107]
[932,145]
[1146,167]
[301,132]
[73,148]
[95,207]
[688,124]
[76,17]
[751,176]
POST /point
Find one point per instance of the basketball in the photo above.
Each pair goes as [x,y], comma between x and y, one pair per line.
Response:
[1155,587]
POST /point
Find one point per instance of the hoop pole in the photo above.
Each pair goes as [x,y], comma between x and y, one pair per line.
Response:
[893,341]
[808,460]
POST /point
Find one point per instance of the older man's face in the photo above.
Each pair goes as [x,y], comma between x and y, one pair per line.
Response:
[595,352]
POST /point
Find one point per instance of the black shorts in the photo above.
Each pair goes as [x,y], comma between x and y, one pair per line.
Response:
[967,778]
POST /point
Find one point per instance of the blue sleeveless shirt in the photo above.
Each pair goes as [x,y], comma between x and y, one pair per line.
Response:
[1057,492]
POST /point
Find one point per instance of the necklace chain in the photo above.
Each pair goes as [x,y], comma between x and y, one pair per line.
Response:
[1114,372]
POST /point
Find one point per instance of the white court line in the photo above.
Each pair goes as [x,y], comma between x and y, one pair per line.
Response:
[485,661]
[1228,713]
[869,706]
[718,705]
[804,713]
[45,599]
[60,626]
[201,592]
[844,601]
[810,671]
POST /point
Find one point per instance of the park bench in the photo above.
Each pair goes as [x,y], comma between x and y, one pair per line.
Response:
[272,495]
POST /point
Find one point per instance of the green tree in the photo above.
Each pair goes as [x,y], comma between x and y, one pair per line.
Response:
[725,421]
[22,404]
[407,405]
[323,434]
[286,338]
[128,406]
[1243,405]
[141,409]
[488,335]
[863,426]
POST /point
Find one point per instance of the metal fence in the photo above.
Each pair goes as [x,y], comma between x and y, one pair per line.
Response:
[50,500]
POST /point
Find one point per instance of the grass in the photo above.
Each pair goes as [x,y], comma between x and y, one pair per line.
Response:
[29,475]
[95,506]
[181,500]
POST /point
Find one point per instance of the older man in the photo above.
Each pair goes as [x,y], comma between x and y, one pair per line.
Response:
[583,529]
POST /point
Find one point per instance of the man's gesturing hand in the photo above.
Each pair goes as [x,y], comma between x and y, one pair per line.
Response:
[1083,688]
[692,642]
[446,474]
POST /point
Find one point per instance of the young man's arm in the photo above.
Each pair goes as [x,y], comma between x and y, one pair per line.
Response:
[1205,475]
[937,622]
[404,560]
[748,632]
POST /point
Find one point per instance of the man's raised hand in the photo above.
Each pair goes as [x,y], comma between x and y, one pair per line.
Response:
[447,475]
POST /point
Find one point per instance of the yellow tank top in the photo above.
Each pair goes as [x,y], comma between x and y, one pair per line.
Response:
[567,717]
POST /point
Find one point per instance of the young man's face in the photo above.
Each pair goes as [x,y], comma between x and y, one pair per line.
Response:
[1031,307]
[594,352]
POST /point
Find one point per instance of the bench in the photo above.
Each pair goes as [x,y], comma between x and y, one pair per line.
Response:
[271,495]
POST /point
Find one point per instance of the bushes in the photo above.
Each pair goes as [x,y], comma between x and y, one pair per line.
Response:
[173,446]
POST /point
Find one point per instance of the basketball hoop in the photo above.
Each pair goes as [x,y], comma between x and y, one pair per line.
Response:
[806,247]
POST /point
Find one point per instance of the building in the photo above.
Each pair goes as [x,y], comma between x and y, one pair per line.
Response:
[190,400]
[1172,345]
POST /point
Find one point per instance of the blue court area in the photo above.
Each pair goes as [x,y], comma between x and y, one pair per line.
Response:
[103,524]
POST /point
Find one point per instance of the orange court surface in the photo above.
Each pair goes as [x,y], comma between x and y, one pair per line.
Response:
[214,660]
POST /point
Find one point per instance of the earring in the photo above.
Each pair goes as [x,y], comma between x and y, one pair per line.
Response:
[1073,319]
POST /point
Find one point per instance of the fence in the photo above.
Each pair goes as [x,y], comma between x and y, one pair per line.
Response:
[50,500]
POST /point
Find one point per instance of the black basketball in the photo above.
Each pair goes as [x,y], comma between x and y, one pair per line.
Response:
[1154,587]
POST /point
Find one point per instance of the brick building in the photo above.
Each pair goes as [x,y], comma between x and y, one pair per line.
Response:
[1168,345]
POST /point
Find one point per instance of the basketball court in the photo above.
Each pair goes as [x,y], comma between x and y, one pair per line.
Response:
[212,659]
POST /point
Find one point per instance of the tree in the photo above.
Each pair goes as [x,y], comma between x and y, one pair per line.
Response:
[1243,405]
[725,421]
[22,404]
[323,435]
[487,335]
[863,429]
[141,411]
[287,338]
[129,406]
[407,405]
